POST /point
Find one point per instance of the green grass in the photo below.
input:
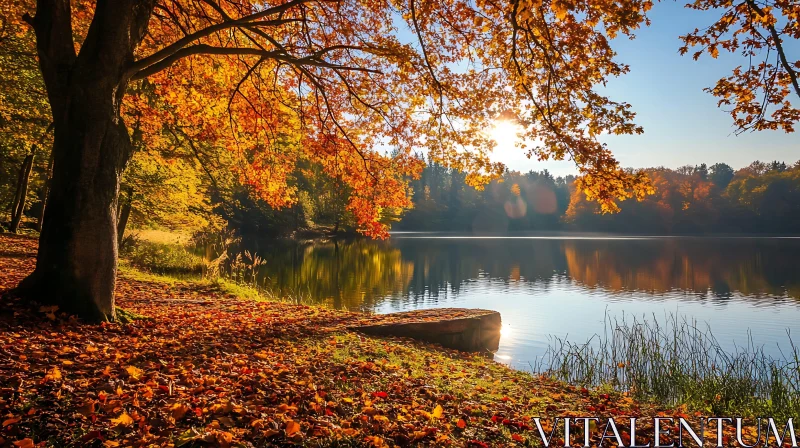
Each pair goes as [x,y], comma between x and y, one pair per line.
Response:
[483,379]
[163,258]
[241,291]
[135,273]
[469,378]
[124,316]
[223,285]
[679,363]
[169,263]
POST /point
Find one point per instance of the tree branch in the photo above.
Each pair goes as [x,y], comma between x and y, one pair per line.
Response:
[778,46]
[173,48]
[311,60]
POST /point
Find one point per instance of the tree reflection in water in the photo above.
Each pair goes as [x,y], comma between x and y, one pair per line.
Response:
[361,274]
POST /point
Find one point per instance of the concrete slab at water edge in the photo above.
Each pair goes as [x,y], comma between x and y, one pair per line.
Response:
[471,330]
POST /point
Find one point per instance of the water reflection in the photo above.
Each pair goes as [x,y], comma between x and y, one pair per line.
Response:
[360,274]
[535,281]
[760,269]
[341,274]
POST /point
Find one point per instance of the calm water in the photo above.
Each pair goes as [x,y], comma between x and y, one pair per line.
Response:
[561,286]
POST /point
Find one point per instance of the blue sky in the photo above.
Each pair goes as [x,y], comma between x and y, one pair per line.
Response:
[682,123]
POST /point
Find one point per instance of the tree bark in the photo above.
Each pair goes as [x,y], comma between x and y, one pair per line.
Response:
[22,192]
[124,214]
[77,261]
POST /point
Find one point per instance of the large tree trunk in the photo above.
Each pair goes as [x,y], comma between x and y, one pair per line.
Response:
[77,260]
[22,192]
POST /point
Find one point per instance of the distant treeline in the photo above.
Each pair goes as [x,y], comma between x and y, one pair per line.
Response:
[760,198]
[443,201]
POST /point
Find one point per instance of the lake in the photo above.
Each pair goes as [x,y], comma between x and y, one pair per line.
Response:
[562,286]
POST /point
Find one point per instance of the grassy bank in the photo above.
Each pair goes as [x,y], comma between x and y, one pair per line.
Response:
[172,263]
[158,256]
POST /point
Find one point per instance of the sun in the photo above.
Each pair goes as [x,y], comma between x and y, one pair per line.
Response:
[505,134]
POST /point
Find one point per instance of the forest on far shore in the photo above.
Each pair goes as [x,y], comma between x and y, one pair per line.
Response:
[760,198]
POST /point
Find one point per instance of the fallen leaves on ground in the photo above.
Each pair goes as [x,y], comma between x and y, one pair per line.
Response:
[212,370]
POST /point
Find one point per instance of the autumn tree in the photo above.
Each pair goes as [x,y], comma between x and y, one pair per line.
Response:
[769,198]
[721,174]
[759,198]
[344,79]
[764,92]
[172,192]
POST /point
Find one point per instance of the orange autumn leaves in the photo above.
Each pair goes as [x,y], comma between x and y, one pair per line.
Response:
[280,84]
[267,87]
[274,114]
[265,133]
[763,92]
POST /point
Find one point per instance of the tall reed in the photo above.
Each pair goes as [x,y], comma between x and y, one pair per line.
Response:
[677,362]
